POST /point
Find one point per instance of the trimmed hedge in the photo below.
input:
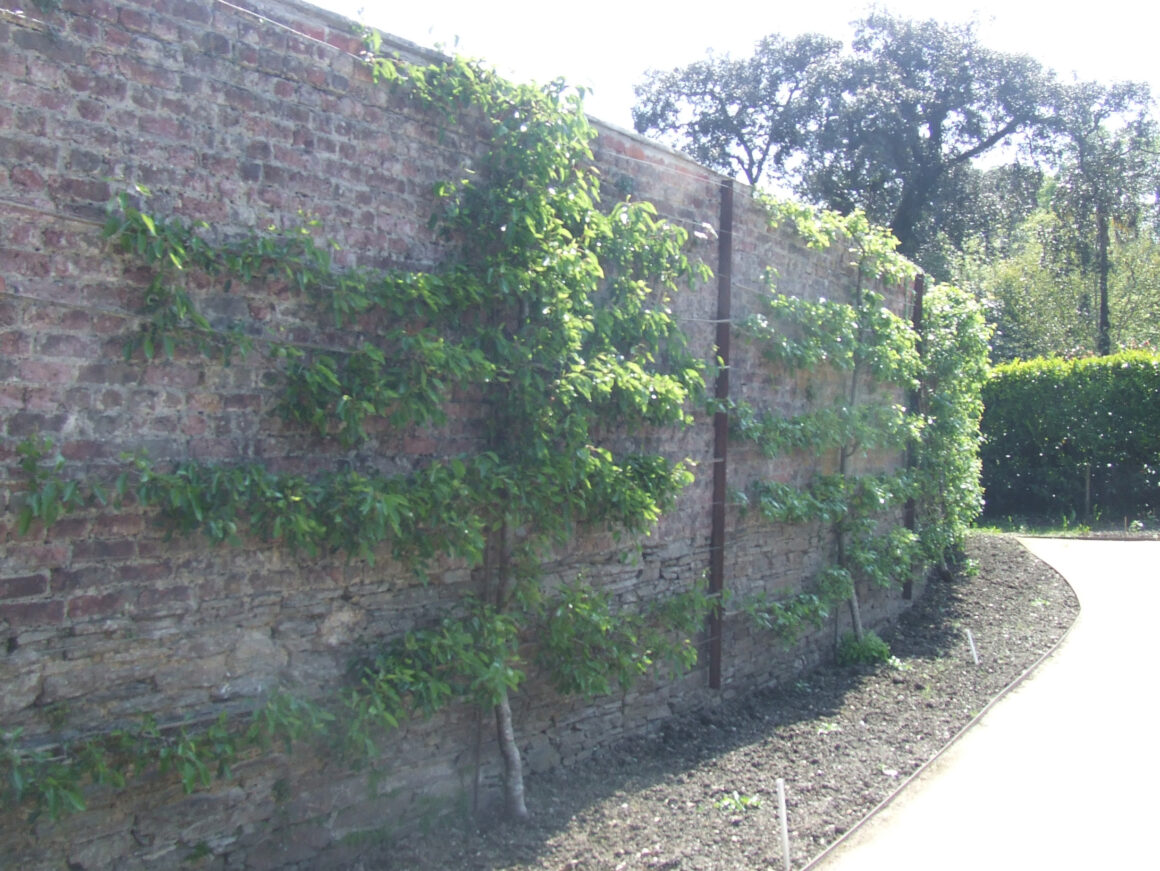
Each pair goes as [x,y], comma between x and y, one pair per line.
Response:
[1073,438]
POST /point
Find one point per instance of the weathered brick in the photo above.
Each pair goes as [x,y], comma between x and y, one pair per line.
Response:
[104,549]
[187,9]
[27,178]
[45,45]
[67,345]
[72,580]
[80,188]
[108,373]
[118,524]
[23,587]
[87,450]
[168,600]
[145,573]
[14,343]
[94,607]
[25,614]
[134,19]
[42,372]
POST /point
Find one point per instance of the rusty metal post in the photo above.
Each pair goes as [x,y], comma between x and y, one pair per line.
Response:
[720,429]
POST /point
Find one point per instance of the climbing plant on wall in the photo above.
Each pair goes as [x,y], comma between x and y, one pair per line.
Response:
[889,399]
[551,315]
[946,473]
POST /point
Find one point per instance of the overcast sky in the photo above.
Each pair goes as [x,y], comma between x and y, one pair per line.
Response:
[606,46]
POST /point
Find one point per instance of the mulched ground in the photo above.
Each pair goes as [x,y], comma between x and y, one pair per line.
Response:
[702,794]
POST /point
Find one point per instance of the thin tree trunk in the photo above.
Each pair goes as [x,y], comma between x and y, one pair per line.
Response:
[513,769]
[856,615]
[855,607]
[477,774]
[1104,332]
[845,452]
[513,774]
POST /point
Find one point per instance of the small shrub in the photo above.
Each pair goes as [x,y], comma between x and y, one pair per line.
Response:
[870,649]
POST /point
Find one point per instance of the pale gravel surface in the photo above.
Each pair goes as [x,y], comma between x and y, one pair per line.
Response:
[842,739]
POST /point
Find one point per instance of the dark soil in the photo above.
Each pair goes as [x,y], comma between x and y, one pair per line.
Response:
[702,794]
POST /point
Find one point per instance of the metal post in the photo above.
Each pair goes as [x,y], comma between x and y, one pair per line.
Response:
[720,429]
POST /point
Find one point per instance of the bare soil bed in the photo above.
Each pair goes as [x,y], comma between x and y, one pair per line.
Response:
[702,793]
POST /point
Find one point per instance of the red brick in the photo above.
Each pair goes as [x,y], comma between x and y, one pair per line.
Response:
[14,343]
[66,345]
[72,580]
[11,395]
[108,373]
[22,587]
[92,190]
[90,607]
[148,572]
[87,29]
[26,614]
[134,19]
[27,264]
[69,528]
[146,74]
[42,399]
[40,372]
[104,549]
[169,600]
[187,9]
[83,450]
[166,375]
[117,524]
[105,10]
[194,426]
[35,553]
[29,179]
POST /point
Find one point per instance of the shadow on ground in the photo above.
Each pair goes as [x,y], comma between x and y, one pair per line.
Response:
[841,737]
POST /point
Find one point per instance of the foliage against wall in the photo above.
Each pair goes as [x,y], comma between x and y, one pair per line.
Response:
[903,390]
[553,317]
[575,339]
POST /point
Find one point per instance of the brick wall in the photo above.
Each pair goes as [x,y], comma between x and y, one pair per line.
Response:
[245,114]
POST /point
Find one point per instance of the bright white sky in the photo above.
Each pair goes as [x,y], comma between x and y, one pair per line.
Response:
[606,46]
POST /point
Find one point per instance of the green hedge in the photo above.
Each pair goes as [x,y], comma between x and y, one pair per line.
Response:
[1073,438]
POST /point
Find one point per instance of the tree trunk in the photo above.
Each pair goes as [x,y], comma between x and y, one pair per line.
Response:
[856,615]
[513,769]
[1103,331]
[855,607]
[513,773]
[844,453]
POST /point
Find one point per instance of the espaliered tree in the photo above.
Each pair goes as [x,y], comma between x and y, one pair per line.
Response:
[871,354]
[954,345]
[551,314]
[898,389]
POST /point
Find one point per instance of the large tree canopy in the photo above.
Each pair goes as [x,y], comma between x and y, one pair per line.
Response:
[747,116]
[888,126]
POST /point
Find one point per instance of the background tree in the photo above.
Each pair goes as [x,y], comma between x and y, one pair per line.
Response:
[890,127]
[921,101]
[1077,274]
[1040,302]
[747,116]
[1033,298]
[1107,171]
